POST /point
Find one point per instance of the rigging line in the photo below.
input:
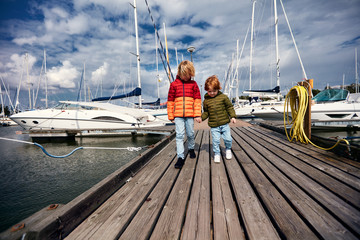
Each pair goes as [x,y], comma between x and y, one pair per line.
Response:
[162,48]
[131,149]
[7,92]
[82,74]
[293,38]
[38,86]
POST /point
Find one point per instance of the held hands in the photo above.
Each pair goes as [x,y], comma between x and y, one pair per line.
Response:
[198,119]
[233,120]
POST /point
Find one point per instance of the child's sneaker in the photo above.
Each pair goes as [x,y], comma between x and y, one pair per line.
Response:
[179,163]
[217,158]
[192,153]
[228,154]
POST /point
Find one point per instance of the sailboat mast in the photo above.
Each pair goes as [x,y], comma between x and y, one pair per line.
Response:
[27,78]
[356,73]
[46,83]
[251,42]
[2,106]
[237,71]
[137,51]
[277,45]
[167,52]
[157,65]
[84,84]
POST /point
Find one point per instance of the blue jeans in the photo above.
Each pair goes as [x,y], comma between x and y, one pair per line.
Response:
[182,125]
[224,132]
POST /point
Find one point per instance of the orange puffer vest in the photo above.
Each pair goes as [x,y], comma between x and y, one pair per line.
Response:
[184,99]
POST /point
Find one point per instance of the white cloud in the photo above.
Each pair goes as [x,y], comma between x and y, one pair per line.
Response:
[63,76]
[22,41]
[98,75]
[78,24]
[101,33]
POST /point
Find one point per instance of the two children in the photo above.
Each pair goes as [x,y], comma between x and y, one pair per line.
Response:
[184,105]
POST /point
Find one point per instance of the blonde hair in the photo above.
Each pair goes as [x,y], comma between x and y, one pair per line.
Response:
[186,70]
[213,83]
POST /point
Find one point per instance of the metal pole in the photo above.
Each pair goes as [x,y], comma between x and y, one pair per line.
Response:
[137,52]
[191,49]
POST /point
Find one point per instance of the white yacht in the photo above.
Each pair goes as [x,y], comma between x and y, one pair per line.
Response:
[332,107]
[70,115]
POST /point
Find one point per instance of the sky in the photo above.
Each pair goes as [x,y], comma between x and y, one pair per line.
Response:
[99,36]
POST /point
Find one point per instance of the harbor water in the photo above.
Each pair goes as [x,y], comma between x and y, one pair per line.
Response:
[30,180]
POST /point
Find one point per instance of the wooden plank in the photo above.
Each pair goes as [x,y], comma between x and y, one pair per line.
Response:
[61,223]
[321,220]
[316,170]
[341,171]
[197,223]
[170,222]
[226,219]
[32,220]
[111,217]
[290,224]
[256,221]
[144,221]
[342,209]
[308,149]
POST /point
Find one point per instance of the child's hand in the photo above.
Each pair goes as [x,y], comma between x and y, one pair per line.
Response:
[198,119]
[233,120]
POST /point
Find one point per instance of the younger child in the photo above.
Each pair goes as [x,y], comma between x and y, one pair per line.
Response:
[184,104]
[218,108]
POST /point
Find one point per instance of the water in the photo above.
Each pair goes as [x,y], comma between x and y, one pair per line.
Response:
[30,180]
[351,134]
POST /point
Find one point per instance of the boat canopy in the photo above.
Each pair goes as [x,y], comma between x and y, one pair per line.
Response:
[156,103]
[331,95]
[135,92]
[264,93]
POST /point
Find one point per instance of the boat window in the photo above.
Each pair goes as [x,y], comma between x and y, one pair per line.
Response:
[70,106]
[23,121]
[337,115]
[331,95]
[59,106]
[35,122]
[108,118]
[87,108]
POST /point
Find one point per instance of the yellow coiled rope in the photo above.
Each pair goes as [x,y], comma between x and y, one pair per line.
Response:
[297,99]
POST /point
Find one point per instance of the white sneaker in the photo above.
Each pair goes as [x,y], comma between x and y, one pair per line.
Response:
[217,158]
[228,154]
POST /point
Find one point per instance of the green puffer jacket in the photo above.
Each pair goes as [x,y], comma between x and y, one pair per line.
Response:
[218,109]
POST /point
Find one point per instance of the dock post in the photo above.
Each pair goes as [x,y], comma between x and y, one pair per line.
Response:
[307,121]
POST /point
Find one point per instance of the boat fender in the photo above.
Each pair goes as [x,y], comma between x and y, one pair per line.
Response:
[17,227]
[52,206]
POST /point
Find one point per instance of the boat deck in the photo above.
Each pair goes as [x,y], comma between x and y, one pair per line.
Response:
[270,189]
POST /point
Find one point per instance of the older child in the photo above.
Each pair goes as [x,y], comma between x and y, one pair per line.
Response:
[218,108]
[184,104]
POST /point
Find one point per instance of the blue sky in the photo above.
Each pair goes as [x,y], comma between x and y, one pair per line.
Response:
[100,34]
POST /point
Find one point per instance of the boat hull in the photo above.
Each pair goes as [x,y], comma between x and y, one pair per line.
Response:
[58,119]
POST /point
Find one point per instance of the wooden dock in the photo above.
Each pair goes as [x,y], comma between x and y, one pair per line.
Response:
[270,189]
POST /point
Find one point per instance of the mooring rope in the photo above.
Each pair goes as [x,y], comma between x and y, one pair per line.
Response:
[131,149]
[297,100]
